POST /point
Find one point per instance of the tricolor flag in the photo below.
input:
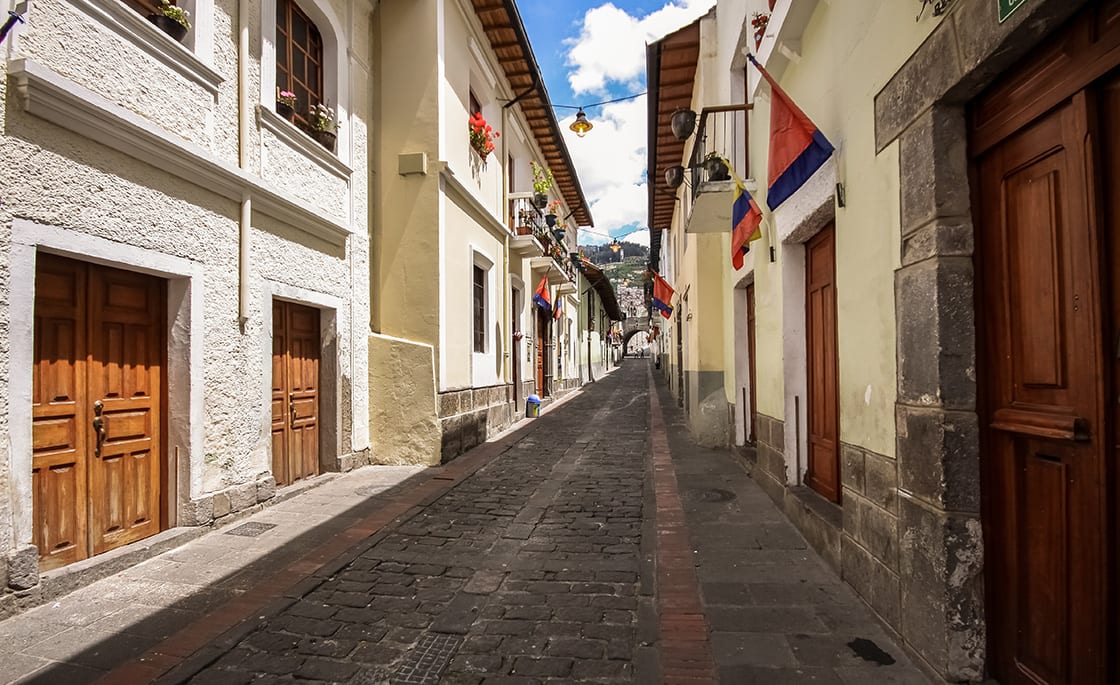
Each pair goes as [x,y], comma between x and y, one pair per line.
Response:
[746,217]
[662,295]
[540,296]
[797,148]
[559,306]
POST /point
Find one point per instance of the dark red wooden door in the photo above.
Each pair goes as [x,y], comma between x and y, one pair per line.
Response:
[823,472]
[1044,442]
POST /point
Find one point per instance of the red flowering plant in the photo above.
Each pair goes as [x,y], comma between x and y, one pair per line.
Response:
[482,135]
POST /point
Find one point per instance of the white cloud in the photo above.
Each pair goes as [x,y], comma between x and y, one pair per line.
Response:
[611,45]
[640,237]
[610,50]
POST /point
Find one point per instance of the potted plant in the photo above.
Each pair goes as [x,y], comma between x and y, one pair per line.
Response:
[560,230]
[482,136]
[550,213]
[285,103]
[324,126]
[542,183]
[716,167]
[524,222]
[172,20]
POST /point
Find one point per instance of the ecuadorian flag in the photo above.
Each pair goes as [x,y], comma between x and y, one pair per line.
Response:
[559,306]
[746,218]
[662,295]
[540,296]
[797,148]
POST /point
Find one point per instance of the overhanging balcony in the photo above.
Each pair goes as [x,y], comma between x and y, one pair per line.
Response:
[721,135]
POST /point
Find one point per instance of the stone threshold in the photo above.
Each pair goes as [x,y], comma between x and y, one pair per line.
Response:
[62,581]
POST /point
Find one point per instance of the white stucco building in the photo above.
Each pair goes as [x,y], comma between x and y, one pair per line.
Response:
[183,268]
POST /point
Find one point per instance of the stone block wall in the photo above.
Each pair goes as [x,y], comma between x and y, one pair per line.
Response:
[869,545]
[468,417]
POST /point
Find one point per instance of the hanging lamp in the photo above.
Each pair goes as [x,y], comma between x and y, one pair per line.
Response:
[581,125]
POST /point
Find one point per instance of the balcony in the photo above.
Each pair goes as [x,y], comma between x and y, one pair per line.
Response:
[722,133]
[533,238]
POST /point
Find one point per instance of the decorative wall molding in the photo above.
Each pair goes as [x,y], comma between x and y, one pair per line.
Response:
[54,98]
[136,29]
[303,143]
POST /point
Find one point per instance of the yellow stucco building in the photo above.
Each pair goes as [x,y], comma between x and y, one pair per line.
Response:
[896,357]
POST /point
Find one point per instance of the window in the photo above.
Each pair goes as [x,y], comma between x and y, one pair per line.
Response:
[299,58]
[509,174]
[476,106]
[146,7]
[479,309]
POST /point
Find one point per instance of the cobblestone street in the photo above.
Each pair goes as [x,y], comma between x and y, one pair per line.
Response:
[560,553]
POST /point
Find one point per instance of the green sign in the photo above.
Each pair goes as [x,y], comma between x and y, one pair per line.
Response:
[1007,7]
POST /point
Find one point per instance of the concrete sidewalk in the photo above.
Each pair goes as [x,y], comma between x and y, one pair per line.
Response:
[776,612]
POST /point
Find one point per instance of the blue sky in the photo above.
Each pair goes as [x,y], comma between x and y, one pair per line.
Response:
[591,51]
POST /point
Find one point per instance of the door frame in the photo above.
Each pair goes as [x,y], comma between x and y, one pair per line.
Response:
[330,414]
[182,400]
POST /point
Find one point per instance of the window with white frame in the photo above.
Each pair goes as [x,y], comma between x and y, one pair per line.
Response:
[479,308]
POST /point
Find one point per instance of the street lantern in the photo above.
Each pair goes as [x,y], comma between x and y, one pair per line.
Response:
[581,125]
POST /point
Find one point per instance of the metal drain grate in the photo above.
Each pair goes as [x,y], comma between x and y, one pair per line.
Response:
[426,661]
[251,529]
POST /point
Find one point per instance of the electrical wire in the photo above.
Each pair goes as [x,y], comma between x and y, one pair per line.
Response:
[605,102]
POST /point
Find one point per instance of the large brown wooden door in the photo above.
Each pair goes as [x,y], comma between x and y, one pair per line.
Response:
[1046,198]
[544,349]
[295,392]
[823,472]
[97,408]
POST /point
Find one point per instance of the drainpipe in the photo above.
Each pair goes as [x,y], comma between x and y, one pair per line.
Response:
[244,132]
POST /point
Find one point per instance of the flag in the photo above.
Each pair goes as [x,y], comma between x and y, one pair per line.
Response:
[797,148]
[540,297]
[662,295]
[559,306]
[746,217]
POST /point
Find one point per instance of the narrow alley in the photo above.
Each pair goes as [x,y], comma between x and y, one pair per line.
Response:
[594,544]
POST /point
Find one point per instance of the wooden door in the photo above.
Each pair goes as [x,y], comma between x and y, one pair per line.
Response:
[295,392]
[544,350]
[751,356]
[97,409]
[515,344]
[1111,112]
[1043,452]
[823,473]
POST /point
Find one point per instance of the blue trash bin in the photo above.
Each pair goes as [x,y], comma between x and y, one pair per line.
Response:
[532,407]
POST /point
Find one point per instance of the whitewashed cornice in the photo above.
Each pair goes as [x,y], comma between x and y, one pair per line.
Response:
[302,143]
[54,98]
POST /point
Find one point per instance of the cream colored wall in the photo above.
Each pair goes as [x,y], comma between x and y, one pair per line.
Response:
[406,279]
[872,40]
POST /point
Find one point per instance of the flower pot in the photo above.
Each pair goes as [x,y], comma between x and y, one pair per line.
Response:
[550,220]
[169,26]
[558,234]
[717,170]
[285,111]
[540,200]
[326,139]
[682,123]
[524,230]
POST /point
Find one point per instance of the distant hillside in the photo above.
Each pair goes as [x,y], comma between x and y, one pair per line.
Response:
[602,254]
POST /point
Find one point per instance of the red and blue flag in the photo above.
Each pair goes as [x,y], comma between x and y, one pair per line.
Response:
[662,296]
[797,147]
[540,296]
[746,220]
[559,306]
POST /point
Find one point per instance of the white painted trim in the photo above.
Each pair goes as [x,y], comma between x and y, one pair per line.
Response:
[483,62]
[185,327]
[299,141]
[52,97]
[484,369]
[469,202]
[136,29]
[742,356]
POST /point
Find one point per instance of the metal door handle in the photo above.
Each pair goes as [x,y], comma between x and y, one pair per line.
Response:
[292,409]
[98,427]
